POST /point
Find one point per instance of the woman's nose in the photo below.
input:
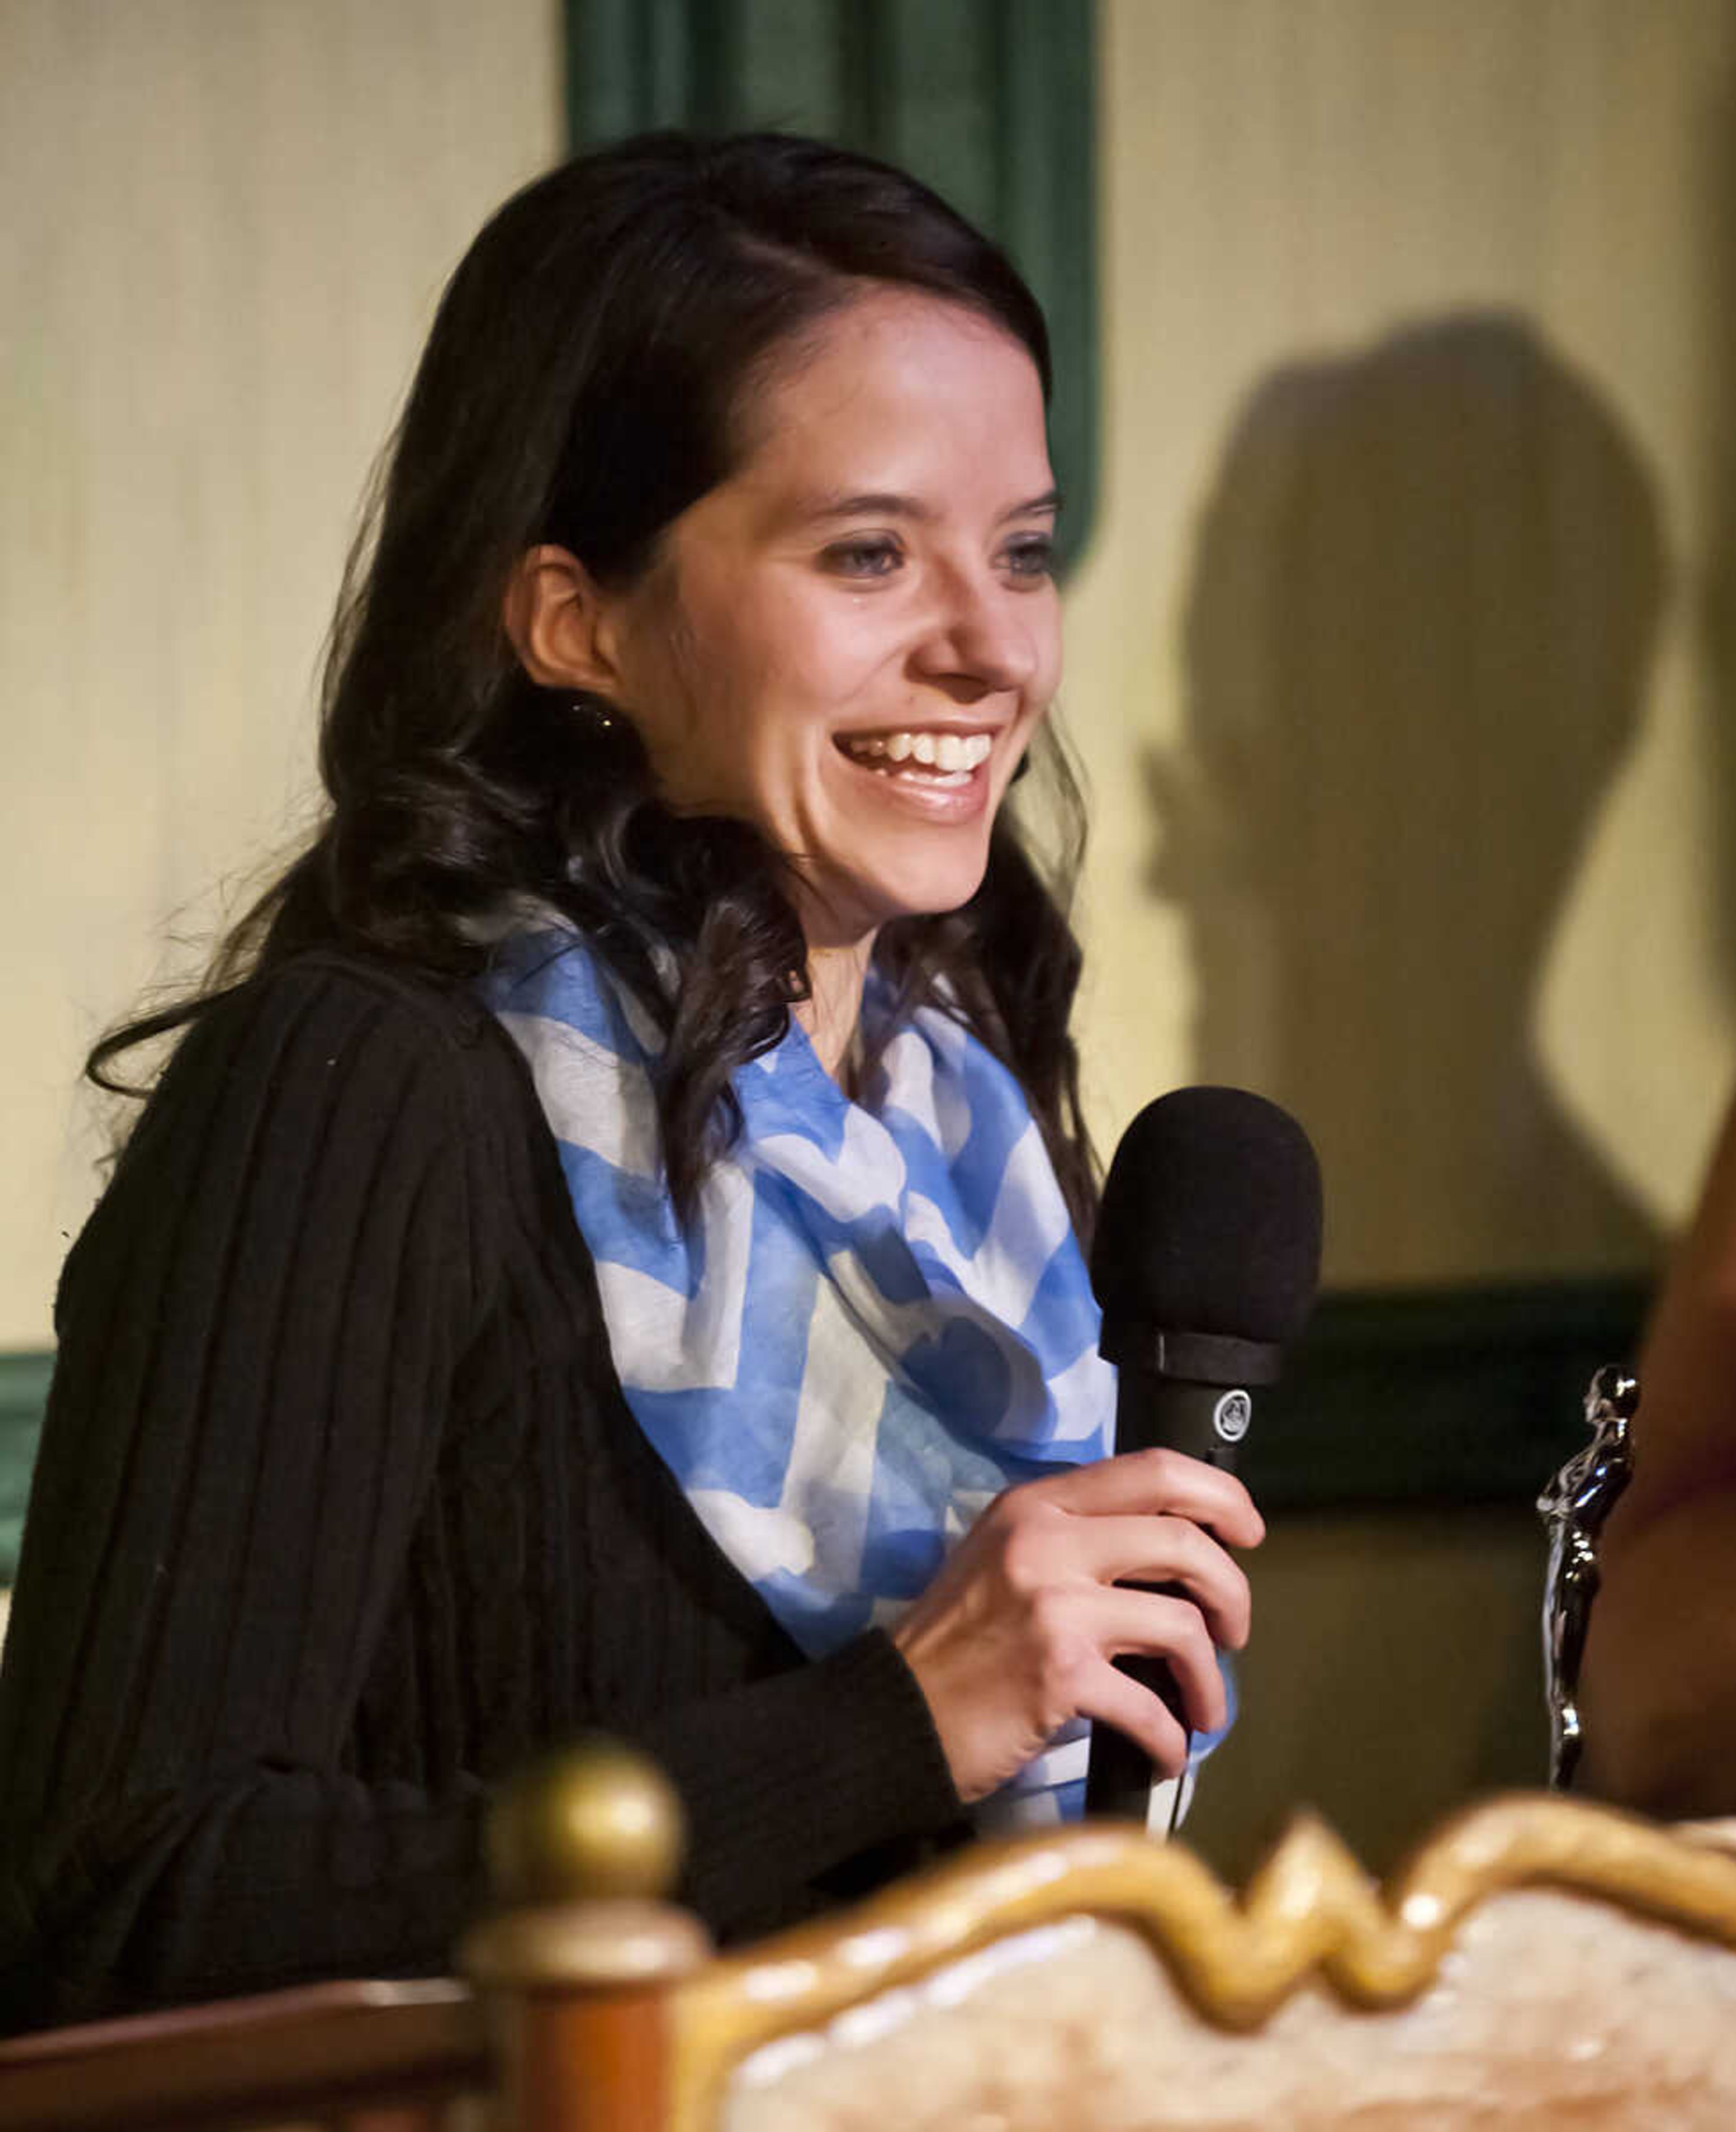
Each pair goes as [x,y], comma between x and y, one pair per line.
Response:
[978,642]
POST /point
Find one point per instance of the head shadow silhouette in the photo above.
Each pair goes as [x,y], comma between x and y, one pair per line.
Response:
[1419,624]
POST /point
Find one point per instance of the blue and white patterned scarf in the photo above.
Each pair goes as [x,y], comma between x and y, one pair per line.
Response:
[878,1319]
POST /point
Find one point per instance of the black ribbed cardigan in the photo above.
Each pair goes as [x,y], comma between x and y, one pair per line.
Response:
[339,1516]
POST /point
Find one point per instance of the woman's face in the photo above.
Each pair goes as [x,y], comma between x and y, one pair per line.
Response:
[849,642]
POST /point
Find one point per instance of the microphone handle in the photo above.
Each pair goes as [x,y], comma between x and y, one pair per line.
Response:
[1208,1422]
[1119,1775]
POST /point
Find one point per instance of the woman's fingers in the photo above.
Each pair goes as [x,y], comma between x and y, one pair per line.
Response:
[1046,1535]
[1137,1483]
[1019,1631]
[1123,1624]
[1113,1698]
[1168,1550]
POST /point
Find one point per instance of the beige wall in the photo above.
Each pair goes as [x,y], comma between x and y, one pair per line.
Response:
[225,224]
[1389,661]
[1395,1670]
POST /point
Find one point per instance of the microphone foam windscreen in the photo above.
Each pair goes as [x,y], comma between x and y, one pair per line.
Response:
[1211,1219]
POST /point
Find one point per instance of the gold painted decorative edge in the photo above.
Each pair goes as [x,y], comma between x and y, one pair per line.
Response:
[1309,1910]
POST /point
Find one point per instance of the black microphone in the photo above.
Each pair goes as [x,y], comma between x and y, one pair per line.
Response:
[1206,1258]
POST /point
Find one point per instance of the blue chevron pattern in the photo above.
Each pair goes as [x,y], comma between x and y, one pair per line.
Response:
[879,1320]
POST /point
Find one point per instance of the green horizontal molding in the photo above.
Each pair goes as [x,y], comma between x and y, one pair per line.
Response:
[23,1395]
[991,102]
[1401,1398]
[1437,1396]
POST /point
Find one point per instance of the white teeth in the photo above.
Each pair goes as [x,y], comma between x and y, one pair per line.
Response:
[947,753]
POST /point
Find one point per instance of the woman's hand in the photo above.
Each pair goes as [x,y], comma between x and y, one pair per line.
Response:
[1019,1631]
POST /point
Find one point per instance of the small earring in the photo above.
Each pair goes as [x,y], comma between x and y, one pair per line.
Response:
[599,714]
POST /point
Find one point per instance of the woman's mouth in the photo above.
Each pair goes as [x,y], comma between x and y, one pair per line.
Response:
[939,761]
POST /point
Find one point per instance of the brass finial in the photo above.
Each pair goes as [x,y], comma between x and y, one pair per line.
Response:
[584,1848]
[591,1822]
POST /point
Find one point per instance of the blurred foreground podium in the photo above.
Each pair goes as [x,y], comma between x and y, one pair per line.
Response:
[1538,1959]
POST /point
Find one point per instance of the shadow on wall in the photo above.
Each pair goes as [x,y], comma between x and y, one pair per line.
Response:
[1425,587]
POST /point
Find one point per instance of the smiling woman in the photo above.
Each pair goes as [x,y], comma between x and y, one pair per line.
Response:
[604,1250]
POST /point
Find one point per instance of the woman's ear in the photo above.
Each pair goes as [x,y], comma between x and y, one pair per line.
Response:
[560,624]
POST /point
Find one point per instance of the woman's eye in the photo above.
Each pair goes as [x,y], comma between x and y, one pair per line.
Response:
[1033,556]
[863,559]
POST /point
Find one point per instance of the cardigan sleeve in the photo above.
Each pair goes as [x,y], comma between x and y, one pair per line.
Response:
[817,1777]
[258,1328]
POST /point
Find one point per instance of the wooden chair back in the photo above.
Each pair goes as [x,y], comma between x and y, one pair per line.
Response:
[1539,1958]
[345,2057]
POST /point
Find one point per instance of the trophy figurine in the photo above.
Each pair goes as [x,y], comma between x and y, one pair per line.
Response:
[1574,1507]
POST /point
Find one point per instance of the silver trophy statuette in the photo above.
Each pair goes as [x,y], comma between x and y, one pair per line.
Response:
[1573,1508]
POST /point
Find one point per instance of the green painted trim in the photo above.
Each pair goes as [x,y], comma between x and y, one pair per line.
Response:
[1398,1398]
[1047,216]
[1437,1396]
[23,1396]
[991,102]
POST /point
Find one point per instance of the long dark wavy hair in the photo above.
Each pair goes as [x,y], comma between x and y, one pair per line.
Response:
[582,385]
